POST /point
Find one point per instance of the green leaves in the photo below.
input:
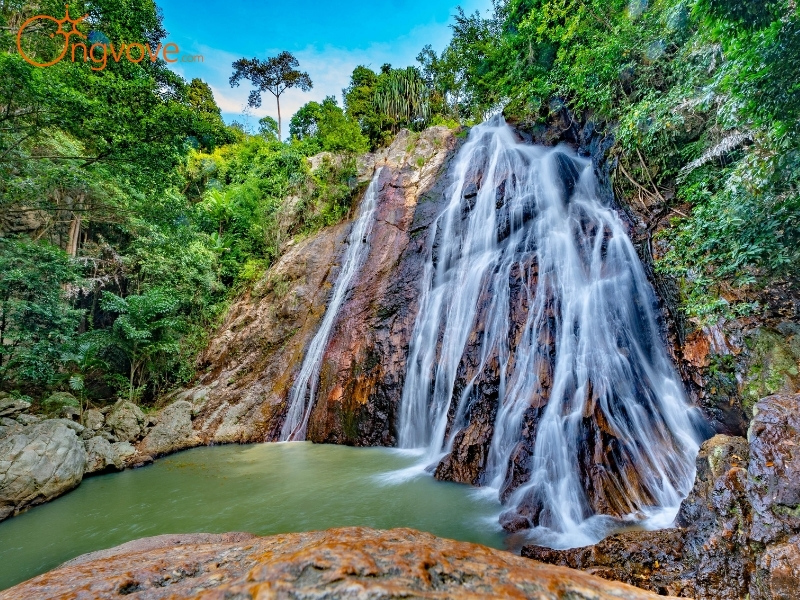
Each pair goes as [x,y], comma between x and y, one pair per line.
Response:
[402,96]
[326,127]
[36,322]
[144,332]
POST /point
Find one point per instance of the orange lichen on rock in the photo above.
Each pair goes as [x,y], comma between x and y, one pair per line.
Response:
[353,563]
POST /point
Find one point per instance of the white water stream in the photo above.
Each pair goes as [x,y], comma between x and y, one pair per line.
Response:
[589,330]
[304,389]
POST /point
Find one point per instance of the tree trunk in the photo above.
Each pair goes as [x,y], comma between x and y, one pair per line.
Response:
[278,99]
[133,372]
[74,235]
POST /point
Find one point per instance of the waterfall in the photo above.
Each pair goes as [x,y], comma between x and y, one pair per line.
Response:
[533,275]
[304,389]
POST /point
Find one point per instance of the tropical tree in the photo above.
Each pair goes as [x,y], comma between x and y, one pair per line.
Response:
[401,95]
[268,128]
[80,362]
[326,127]
[274,75]
[145,330]
[36,321]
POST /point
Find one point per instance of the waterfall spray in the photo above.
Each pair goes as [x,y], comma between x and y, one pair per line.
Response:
[303,392]
[592,429]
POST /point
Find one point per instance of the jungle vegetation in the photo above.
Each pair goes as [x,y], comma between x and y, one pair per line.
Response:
[130,213]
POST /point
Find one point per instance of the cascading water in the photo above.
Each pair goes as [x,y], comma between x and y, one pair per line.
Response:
[304,389]
[592,429]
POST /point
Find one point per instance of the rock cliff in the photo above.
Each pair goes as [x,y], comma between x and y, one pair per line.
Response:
[738,532]
[252,361]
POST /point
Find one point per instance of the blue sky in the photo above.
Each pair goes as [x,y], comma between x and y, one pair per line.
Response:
[328,38]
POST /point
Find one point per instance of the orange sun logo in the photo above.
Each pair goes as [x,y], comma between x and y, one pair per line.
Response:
[66,33]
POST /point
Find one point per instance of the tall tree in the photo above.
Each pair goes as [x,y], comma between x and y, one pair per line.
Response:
[274,75]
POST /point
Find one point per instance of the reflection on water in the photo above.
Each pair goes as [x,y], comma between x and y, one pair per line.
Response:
[263,489]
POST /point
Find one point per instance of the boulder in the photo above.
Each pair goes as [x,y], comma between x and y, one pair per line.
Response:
[9,407]
[76,427]
[93,419]
[101,457]
[172,431]
[351,563]
[778,575]
[57,401]
[25,419]
[123,452]
[38,463]
[774,470]
[126,421]
[70,412]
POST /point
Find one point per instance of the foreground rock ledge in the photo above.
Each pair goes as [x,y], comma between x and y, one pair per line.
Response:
[340,563]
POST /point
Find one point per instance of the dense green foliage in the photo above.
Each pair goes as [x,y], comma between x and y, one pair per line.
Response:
[36,321]
[704,101]
[383,103]
[129,212]
[326,127]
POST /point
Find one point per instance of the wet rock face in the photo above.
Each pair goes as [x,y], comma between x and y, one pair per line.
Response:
[709,558]
[738,531]
[774,470]
[253,360]
[352,563]
[38,463]
[363,368]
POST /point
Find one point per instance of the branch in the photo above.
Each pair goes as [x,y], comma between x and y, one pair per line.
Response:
[650,179]
[637,184]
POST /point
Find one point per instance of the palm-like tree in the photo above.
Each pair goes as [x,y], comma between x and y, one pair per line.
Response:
[402,95]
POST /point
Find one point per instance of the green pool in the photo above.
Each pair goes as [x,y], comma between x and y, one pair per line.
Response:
[263,489]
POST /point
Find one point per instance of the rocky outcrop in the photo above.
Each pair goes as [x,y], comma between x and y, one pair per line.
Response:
[355,563]
[173,431]
[126,421]
[10,407]
[252,361]
[41,459]
[738,531]
[102,456]
[364,363]
[38,463]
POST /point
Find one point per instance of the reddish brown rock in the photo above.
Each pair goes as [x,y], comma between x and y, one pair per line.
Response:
[778,575]
[363,367]
[774,469]
[356,563]
[253,359]
[738,530]
[708,558]
[652,560]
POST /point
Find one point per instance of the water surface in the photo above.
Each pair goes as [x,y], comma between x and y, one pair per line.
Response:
[263,489]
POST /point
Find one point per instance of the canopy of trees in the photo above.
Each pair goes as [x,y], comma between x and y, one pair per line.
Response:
[130,213]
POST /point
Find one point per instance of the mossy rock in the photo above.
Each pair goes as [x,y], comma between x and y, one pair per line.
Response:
[58,400]
[774,366]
